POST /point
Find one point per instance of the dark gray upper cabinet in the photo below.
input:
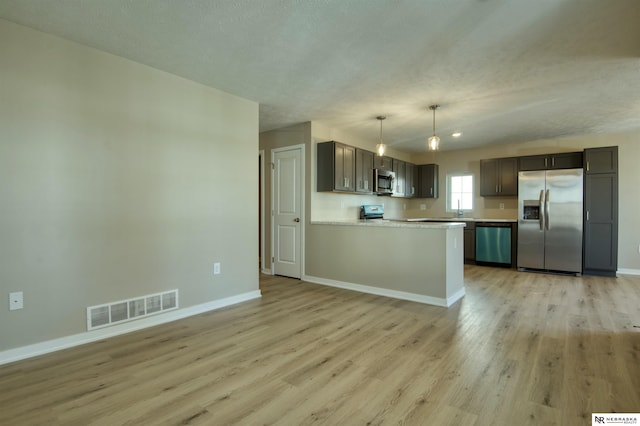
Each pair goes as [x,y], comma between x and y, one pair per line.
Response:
[499,177]
[364,171]
[601,160]
[428,181]
[411,180]
[336,167]
[564,160]
[384,162]
[399,168]
[601,211]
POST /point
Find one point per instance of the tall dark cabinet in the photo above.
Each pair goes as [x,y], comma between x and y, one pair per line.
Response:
[601,211]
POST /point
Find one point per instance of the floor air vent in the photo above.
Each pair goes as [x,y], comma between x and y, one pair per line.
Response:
[126,310]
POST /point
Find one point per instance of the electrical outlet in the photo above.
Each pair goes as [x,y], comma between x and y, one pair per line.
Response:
[16,301]
[423,206]
[501,206]
[216,268]
[404,206]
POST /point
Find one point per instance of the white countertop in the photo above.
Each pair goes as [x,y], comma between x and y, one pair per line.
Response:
[454,219]
[394,223]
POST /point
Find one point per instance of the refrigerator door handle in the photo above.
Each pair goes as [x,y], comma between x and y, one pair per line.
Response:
[546,211]
[541,206]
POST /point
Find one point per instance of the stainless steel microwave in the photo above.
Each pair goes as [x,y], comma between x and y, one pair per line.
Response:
[383,181]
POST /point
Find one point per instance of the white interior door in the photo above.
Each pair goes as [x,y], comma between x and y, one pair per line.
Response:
[287,211]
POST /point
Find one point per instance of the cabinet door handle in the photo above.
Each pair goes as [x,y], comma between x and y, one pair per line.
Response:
[545,162]
[553,161]
[587,215]
[497,189]
[431,190]
[587,166]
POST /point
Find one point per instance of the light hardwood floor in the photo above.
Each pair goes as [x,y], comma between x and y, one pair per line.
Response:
[518,349]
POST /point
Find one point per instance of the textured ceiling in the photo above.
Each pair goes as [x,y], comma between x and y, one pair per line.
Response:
[502,70]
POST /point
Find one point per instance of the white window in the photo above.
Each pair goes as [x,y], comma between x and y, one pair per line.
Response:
[460,192]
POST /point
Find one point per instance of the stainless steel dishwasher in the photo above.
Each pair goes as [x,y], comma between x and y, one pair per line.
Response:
[493,243]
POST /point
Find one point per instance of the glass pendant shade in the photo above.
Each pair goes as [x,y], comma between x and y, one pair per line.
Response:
[381,147]
[433,143]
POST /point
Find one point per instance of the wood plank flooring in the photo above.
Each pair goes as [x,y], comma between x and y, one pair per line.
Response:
[518,349]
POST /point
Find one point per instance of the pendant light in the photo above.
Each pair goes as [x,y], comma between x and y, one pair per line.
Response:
[434,141]
[381,147]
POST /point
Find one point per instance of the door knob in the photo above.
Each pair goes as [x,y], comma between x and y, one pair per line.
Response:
[297,219]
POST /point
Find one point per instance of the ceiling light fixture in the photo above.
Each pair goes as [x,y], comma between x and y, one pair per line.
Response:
[433,142]
[456,134]
[381,147]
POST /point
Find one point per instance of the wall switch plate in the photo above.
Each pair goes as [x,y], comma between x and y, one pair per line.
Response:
[216,268]
[16,301]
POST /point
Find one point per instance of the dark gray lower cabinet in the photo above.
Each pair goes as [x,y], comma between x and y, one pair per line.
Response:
[470,243]
[601,211]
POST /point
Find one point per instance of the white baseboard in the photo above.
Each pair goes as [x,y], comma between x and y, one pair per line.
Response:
[413,297]
[455,297]
[624,271]
[48,346]
[266,271]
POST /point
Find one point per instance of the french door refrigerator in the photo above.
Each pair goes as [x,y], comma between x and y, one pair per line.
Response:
[550,220]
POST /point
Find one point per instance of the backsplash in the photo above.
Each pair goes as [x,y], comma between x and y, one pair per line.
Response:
[328,206]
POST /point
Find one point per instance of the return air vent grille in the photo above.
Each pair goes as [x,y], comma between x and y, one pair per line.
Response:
[126,310]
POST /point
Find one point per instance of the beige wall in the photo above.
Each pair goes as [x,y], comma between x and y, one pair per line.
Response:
[116,180]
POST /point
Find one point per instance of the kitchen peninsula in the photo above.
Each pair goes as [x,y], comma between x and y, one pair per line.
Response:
[422,262]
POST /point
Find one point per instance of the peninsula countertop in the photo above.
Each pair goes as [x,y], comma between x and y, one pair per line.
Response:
[392,223]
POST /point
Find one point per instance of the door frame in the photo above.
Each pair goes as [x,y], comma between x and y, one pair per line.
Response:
[263,222]
[303,217]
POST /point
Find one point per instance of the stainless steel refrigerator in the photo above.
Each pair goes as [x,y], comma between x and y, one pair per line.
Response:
[550,220]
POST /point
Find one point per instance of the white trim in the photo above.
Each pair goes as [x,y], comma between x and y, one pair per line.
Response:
[262,207]
[447,187]
[403,295]
[49,346]
[303,190]
[267,271]
[625,271]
